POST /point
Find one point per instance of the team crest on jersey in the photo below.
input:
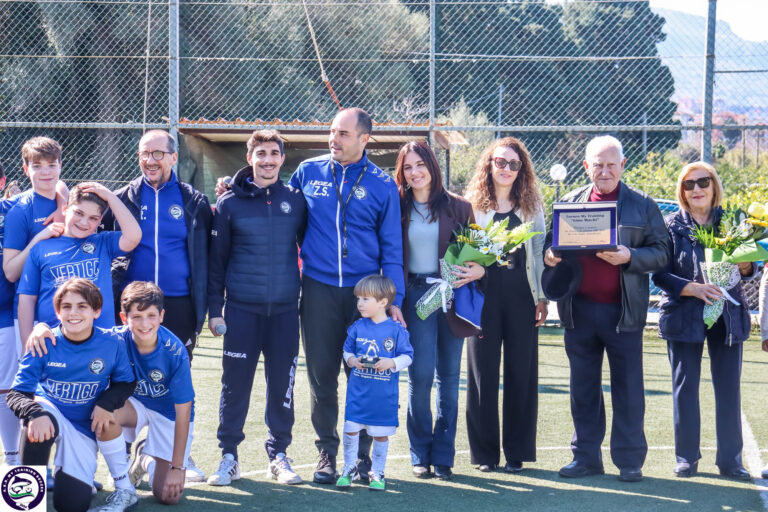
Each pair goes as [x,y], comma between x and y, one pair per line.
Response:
[156,375]
[88,248]
[389,344]
[176,211]
[96,366]
[285,207]
[360,192]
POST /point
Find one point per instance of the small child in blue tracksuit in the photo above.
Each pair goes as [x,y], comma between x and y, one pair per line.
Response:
[377,348]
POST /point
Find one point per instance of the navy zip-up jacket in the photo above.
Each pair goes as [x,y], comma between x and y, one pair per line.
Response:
[681,318]
[374,236]
[197,219]
[254,252]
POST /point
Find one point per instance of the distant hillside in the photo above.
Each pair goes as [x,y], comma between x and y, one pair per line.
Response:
[683,52]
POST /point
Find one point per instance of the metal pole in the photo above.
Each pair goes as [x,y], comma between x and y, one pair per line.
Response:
[709,83]
[757,149]
[501,104]
[743,148]
[432,45]
[645,135]
[173,67]
[448,168]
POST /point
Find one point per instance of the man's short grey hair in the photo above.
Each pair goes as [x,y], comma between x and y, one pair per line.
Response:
[601,142]
[170,138]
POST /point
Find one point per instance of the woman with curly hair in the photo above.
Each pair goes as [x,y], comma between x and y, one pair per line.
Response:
[504,187]
[430,214]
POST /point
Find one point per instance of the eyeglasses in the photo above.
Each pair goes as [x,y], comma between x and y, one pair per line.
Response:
[514,165]
[701,182]
[157,154]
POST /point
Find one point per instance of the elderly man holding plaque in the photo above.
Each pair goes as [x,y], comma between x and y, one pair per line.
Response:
[599,279]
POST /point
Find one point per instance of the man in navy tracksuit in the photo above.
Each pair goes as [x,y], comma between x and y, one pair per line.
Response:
[254,263]
[175,224]
[353,230]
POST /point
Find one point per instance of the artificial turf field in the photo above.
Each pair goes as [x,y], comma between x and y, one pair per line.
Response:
[538,487]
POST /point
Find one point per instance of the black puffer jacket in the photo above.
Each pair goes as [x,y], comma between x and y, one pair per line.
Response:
[254,251]
[641,229]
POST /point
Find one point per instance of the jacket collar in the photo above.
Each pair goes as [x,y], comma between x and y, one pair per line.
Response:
[354,167]
[243,187]
[683,223]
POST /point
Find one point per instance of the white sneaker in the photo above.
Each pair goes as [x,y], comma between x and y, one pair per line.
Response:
[135,471]
[119,501]
[194,473]
[228,471]
[280,469]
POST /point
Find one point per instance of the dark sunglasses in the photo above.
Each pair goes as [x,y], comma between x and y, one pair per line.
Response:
[514,165]
[701,182]
[157,155]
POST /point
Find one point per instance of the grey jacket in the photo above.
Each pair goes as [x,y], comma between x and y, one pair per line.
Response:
[641,229]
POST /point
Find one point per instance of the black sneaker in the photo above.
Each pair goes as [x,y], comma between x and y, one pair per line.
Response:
[325,472]
[364,464]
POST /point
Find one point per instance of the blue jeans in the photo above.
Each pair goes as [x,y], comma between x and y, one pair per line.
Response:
[436,356]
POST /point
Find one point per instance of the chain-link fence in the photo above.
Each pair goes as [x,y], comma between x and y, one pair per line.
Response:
[95,73]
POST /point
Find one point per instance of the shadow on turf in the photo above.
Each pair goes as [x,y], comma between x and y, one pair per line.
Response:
[533,489]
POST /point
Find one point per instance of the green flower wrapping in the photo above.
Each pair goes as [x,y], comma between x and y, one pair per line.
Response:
[439,294]
[720,273]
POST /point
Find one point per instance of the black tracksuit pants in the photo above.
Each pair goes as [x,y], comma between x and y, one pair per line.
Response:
[326,313]
[248,335]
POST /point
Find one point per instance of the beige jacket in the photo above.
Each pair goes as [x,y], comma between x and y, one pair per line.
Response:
[534,249]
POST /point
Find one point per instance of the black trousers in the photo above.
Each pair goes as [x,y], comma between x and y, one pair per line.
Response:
[725,363]
[180,320]
[593,334]
[326,312]
[508,321]
[248,336]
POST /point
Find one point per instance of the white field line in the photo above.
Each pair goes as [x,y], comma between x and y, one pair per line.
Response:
[753,461]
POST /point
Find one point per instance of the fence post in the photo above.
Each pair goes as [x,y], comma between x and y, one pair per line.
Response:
[173,67]
[432,40]
[709,76]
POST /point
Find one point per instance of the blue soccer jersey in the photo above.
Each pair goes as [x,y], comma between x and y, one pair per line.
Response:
[163,376]
[53,261]
[23,222]
[372,396]
[7,289]
[73,375]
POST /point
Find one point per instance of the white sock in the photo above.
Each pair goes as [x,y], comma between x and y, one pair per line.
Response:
[114,453]
[379,456]
[10,428]
[148,465]
[350,448]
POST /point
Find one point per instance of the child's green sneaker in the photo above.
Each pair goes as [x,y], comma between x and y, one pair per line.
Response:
[349,475]
[377,482]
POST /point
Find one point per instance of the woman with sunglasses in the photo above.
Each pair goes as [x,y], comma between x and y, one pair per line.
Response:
[681,324]
[430,215]
[504,187]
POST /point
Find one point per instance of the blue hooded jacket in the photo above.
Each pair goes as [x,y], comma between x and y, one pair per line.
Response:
[374,237]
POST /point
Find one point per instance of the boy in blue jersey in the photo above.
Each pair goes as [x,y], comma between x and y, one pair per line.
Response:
[78,252]
[68,397]
[163,398]
[377,348]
